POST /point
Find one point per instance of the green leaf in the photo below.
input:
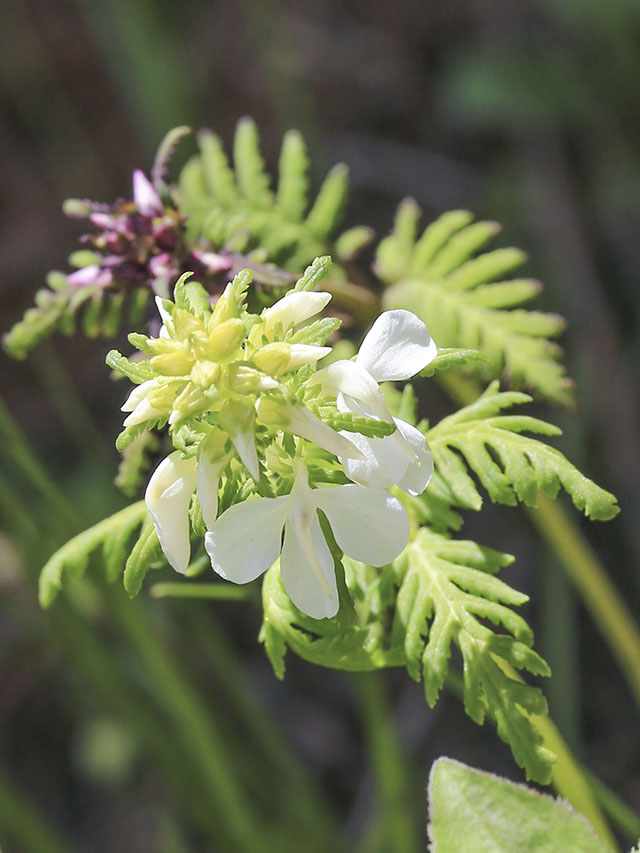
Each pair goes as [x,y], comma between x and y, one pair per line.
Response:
[253,181]
[314,274]
[216,174]
[134,463]
[510,466]
[192,297]
[327,209]
[481,813]
[165,153]
[293,182]
[453,357]
[38,323]
[248,218]
[144,553]
[350,243]
[110,537]
[447,595]
[136,371]
[460,296]
[316,333]
[371,427]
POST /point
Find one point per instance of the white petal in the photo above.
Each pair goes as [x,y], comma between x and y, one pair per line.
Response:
[144,411]
[167,498]
[397,346]
[384,464]
[245,444]
[208,476]
[353,380]
[294,308]
[308,573]
[305,354]
[418,474]
[304,423]
[145,196]
[245,540]
[167,320]
[369,525]
[137,395]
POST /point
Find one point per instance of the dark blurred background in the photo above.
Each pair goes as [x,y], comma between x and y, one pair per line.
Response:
[526,113]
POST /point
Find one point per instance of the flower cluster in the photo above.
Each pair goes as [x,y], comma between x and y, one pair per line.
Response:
[257,426]
[138,242]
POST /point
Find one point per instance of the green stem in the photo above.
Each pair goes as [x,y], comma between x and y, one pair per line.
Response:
[20,821]
[598,593]
[216,591]
[568,777]
[389,765]
[588,575]
[622,816]
[569,780]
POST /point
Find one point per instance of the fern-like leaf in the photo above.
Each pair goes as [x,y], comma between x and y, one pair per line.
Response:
[510,466]
[447,594]
[234,209]
[135,462]
[462,298]
[62,307]
[112,538]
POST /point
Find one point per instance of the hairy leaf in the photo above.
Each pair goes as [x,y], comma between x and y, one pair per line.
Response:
[472,810]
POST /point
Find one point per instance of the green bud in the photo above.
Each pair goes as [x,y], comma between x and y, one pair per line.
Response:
[243,379]
[237,415]
[273,358]
[273,413]
[205,373]
[172,363]
[224,340]
[226,308]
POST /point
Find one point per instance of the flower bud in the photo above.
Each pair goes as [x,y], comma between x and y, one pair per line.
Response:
[243,379]
[205,373]
[176,363]
[273,358]
[224,340]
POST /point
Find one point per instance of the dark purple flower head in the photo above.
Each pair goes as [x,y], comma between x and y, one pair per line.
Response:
[141,242]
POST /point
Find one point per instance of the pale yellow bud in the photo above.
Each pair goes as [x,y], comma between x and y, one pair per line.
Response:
[185,324]
[273,358]
[175,363]
[225,339]
[243,379]
[224,309]
[205,373]
[273,413]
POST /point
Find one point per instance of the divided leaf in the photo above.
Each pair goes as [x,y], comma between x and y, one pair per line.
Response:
[234,209]
[112,539]
[463,300]
[62,307]
[510,466]
[447,594]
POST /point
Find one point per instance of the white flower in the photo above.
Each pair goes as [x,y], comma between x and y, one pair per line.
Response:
[168,495]
[397,346]
[369,525]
